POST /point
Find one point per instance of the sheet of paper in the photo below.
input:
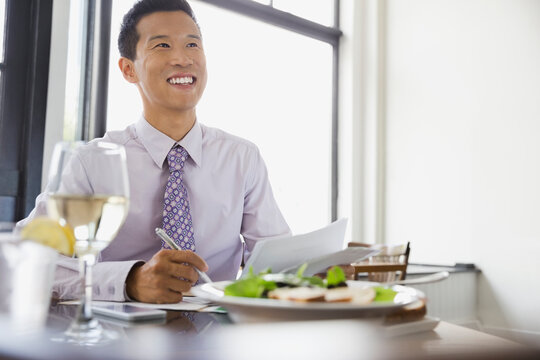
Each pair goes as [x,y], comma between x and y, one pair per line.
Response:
[285,252]
[188,304]
[345,256]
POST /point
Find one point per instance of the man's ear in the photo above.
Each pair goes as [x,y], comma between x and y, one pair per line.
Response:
[128,70]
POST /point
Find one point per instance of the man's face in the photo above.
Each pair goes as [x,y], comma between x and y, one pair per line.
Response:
[170,65]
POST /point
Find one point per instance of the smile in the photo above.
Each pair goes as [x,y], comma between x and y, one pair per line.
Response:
[183,80]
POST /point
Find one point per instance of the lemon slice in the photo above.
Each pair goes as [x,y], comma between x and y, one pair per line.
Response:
[49,232]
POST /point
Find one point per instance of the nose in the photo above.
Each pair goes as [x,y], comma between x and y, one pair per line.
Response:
[181,57]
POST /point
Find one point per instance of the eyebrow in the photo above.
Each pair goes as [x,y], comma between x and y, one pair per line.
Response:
[156,37]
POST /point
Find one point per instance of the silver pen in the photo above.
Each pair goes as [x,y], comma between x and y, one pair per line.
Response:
[163,236]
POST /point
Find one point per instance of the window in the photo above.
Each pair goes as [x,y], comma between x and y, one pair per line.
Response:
[24,64]
[319,11]
[269,85]
[74,71]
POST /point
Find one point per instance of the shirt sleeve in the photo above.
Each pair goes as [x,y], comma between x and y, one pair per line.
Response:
[109,279]
[262,217]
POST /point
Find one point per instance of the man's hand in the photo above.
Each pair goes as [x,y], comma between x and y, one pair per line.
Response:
[164,278]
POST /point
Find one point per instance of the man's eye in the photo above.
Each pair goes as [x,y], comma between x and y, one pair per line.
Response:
[192,45]
[163,45]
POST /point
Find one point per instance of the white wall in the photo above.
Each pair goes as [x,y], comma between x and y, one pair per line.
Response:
[463,144]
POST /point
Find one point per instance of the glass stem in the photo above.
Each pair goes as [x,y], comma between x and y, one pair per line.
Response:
[86,263]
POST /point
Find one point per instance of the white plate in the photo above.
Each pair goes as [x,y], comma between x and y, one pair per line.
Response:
[242,309]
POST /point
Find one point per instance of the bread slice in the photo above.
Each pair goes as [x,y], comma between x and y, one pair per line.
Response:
[357,296]
[301,294]
[412,312]
[340,294]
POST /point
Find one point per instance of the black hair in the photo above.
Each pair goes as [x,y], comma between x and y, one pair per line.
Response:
[128,37]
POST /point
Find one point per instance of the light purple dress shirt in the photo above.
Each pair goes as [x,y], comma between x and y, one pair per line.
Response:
[229,194]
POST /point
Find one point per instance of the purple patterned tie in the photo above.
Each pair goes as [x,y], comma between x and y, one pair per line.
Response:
[176,214]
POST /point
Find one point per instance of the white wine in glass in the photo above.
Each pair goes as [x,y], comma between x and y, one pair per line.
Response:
[95,219]
[88,190]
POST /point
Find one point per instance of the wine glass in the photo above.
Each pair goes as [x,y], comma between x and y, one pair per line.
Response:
[89,191]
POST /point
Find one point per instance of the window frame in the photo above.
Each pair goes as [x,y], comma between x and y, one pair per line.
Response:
[93,94]
[23,108]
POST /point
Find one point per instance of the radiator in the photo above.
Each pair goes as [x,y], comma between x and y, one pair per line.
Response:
[454,299]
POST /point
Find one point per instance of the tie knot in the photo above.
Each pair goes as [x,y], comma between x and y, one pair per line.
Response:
[176,158]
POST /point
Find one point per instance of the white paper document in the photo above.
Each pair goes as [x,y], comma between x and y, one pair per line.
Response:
[345,256]
[320,249]
[189,303]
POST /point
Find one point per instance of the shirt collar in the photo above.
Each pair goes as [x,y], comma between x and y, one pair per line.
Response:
[158,144]
[192,142]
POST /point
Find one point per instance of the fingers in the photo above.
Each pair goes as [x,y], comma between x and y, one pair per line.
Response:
[173,265]
[183,271]
[186,256]
[147,285]
[165,277]
[178,285]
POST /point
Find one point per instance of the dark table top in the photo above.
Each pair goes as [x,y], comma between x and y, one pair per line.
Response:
[192,335]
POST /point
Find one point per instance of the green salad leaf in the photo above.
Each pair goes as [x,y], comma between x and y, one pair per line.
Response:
[384,294]
[314,281]
[252,286]
[301,270]
[335,277]
[309,280]
[258,285]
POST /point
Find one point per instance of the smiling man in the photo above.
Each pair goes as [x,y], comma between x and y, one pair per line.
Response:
[168,67]
[207,189]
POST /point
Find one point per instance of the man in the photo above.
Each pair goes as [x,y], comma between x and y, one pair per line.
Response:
[224,185]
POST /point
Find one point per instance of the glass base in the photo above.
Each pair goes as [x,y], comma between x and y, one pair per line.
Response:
[88,333]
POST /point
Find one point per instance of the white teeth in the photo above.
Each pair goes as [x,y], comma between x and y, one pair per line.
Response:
[182,80]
